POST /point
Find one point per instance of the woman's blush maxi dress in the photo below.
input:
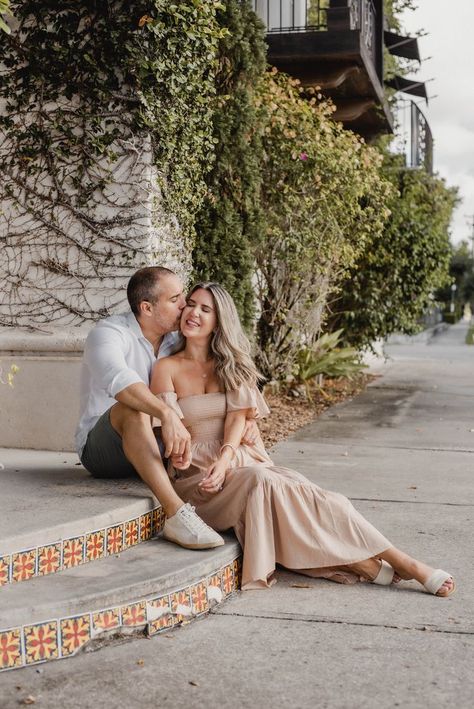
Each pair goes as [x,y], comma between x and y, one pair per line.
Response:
[278,515]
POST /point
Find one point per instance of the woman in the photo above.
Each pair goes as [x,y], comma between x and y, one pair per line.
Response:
[278,515]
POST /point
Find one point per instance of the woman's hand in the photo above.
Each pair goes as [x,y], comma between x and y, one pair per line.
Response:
[215,476]
[251,432]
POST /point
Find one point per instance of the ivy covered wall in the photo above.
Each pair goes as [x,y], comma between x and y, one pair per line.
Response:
[106,136]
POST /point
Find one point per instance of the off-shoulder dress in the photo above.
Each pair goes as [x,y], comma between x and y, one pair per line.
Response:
[278,515]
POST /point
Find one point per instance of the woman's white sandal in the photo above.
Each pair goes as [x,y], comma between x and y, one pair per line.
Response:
[385,574]
[435,582]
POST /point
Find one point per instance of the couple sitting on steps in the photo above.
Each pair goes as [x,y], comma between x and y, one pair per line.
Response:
[174,378]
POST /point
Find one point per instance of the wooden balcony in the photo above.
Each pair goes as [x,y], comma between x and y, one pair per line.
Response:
[338,46]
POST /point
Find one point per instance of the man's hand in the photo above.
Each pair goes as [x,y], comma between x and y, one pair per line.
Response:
[250,433]
[176,439]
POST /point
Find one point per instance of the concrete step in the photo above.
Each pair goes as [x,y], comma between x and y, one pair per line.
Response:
[153,586]
[54,515]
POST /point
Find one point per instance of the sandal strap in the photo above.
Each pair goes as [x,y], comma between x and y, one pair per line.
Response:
[436,580]
[385,575]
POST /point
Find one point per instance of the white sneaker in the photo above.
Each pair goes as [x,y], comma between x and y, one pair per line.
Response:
[188,530]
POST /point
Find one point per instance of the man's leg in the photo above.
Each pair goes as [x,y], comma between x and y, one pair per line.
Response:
[141,449]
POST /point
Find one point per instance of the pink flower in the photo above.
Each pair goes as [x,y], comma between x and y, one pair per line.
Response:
[303,156]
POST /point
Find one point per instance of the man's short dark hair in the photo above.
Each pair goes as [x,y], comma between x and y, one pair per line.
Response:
[143,286]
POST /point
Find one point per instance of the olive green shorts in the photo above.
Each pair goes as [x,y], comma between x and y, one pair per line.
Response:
[103,454]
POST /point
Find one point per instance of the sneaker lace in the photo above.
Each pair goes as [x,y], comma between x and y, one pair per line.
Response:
[192,521]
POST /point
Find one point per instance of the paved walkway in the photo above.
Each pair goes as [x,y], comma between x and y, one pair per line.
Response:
[403,451]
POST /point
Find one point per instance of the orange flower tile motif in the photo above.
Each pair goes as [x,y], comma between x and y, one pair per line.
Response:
[134,615]
[41,642]
[95,545]
[106,620]
[237,568]
[75,632]
[10,649]
[23,565]
[115,539]
[164,621]
[4,570]
[181,605]
[215,580]
[145,527]
[73,552]
[199,598]
[131,532]
[228,580]
[158,520]
[49,559]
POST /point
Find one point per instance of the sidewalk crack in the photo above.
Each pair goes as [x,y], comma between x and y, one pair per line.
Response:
[300,618]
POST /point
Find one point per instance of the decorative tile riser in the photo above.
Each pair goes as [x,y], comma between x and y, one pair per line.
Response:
[58,638]
[96,544]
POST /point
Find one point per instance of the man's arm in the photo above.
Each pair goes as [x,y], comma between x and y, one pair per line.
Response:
[104,355]
[175,436]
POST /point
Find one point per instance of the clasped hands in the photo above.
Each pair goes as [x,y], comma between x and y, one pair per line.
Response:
[214,479]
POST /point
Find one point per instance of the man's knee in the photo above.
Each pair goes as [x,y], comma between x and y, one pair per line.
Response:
[122,418]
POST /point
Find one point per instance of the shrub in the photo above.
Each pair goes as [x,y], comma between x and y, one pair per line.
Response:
[325,202]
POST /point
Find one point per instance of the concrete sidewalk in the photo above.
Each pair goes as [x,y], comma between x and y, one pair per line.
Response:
[403,452]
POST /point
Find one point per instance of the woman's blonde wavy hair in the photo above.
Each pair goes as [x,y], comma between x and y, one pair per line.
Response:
[229,344]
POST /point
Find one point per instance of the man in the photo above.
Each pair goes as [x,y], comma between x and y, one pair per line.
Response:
[114,437]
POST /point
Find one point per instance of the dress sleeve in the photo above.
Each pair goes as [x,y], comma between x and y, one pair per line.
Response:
[247,397]
[170,399]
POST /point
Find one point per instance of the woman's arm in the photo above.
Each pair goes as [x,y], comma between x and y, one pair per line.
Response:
[161,377]
[162,381]
[233,430]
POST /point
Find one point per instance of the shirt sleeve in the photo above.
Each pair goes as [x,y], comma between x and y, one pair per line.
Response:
[247,397]
[104,355]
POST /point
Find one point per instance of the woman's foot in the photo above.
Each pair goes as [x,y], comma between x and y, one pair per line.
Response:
[408,568]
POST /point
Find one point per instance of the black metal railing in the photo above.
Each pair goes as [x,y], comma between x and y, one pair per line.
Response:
[421,140]
[310,15]
[292,15]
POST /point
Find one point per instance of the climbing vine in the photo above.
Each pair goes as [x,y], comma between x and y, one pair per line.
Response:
[229,223]
[106,139]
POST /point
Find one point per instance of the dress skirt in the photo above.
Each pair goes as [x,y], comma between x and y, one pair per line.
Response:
[277,514]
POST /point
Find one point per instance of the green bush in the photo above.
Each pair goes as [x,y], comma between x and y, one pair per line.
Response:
[391,283]
[229,223]
[325,203]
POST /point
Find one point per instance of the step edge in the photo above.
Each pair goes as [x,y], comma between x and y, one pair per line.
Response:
[155,612]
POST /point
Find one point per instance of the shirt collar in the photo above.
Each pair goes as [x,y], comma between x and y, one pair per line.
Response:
[134,325]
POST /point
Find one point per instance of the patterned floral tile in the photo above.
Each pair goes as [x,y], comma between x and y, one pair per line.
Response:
[161,607]
[41,642]
[4,570]
[23,565]
[145,527]
[237,568]
[181,605]
[95,545]
[215,580]
[73,552]
[228,579]
[131,532]
[115,539]
[75,632]
[49,559]
[10,649]
[158,520]
[199,598]
[106,620]
[134,614]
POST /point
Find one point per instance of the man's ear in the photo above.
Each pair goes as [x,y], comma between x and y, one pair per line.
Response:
[144,308]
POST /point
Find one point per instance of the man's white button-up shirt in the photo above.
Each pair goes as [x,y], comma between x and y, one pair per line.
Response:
[116,355]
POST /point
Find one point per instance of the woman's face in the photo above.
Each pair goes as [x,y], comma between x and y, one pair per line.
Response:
[199,318]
